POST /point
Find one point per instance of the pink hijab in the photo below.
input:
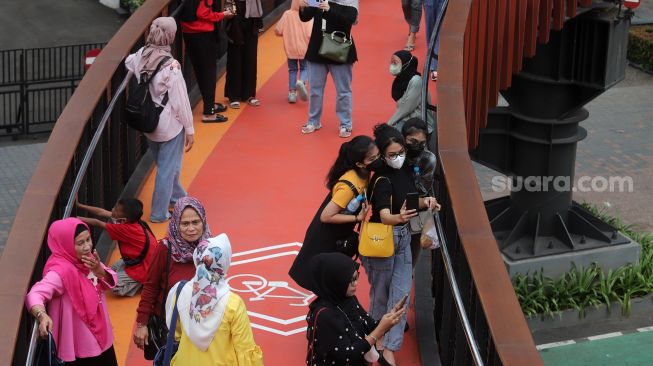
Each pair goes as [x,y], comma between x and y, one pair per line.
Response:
[157,45]
[84,297]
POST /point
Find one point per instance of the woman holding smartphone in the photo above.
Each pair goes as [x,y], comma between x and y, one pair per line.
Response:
[334,221]
[391,278]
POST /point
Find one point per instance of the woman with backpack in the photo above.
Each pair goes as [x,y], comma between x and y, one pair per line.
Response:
[174,132]
[342,208]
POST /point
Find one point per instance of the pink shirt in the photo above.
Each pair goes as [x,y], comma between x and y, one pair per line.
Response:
[177,114]
[71,335]
[295,33]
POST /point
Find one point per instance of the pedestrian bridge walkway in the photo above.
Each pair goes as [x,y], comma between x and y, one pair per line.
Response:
[261,181]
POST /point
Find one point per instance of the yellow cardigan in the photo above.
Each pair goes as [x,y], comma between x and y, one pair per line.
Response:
[232,345]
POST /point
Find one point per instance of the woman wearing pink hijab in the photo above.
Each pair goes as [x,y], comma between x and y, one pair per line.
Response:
[73,285]
[175,133]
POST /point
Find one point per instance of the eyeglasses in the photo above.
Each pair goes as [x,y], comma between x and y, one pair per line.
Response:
[394,156]
[186,224]
[355,278]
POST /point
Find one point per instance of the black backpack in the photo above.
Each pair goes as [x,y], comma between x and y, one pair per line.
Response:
[141,113]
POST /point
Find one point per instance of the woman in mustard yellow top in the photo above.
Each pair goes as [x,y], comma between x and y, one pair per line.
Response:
[346,180]
[213,328]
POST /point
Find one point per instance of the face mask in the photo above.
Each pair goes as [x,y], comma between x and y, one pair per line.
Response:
[395,69]
[397,163]
[374,166]
[414,150]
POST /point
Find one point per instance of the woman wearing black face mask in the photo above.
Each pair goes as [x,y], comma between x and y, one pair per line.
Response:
[342,208]
[407,90]
[391,278]
[421,164]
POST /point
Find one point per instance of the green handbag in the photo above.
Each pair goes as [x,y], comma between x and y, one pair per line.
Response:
[335,46]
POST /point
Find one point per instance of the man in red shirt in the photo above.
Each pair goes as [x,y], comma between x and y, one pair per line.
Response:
[134,238]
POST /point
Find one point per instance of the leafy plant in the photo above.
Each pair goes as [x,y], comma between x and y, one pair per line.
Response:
[582,288]
[131,5]
[640,46]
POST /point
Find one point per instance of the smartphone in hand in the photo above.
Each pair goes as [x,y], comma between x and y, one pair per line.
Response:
[412,201]
[402,302]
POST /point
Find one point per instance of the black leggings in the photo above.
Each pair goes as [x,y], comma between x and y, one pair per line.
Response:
[241,64]
[106,358]
[203,52]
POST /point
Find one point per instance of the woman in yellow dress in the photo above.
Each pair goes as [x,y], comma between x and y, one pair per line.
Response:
[213,327]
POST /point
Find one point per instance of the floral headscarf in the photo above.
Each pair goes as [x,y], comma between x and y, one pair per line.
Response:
[203,300]
[182,251]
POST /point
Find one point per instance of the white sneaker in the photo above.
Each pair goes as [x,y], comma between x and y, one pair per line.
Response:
[306,129]
[301,89]
[292,97]
[345,132]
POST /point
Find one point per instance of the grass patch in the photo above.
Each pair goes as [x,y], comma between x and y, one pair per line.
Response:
[640,46]
[582,288]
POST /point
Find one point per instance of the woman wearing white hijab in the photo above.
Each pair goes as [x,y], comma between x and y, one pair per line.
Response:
[213,327]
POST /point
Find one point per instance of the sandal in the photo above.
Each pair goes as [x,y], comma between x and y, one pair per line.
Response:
[216,118]
[219,107]
[253,102]
[234,104]
[410,46]
[434,75]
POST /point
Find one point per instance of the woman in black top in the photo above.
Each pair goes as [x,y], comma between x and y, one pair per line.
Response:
[340,332]
[339,15]
[242,52]
[391,278]
[347,179]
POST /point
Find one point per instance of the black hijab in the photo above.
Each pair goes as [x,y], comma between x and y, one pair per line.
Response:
[332,274]
[408,70]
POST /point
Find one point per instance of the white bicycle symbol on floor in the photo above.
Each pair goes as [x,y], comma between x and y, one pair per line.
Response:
[258,285]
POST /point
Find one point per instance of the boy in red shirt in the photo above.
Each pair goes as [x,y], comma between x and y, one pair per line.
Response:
[134,238]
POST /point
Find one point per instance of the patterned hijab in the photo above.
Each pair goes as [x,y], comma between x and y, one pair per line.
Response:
[182,251]
[203,300]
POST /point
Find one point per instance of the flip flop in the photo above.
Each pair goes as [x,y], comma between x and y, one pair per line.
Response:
[234,105]
[219,107]
[253,102]
[216,118]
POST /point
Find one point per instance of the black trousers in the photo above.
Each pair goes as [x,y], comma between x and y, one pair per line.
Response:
[202,49]
[106,358]
[241,64]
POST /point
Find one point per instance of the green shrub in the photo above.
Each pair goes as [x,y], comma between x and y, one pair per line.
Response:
[582,288]
[640,46]
[131,5]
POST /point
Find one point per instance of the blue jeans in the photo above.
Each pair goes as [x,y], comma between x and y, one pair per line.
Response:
[167,188]
[390,280]
[431,10]
[341,75]
[293,66]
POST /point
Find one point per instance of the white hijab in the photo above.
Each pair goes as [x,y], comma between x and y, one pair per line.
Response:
[203,300]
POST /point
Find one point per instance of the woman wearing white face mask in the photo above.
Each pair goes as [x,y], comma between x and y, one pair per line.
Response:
[391,278]
[407,90]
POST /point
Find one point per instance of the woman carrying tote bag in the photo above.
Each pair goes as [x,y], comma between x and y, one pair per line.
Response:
[391,278]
